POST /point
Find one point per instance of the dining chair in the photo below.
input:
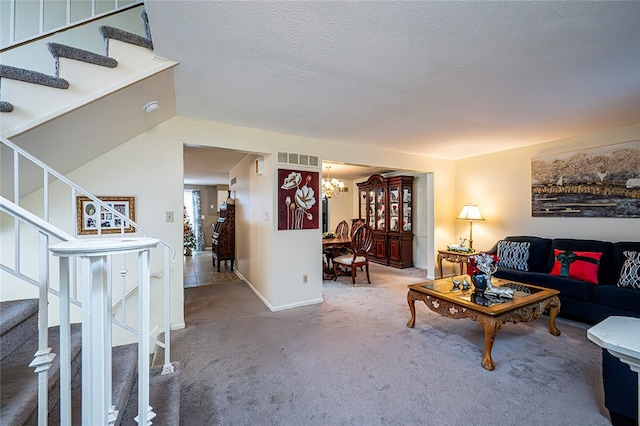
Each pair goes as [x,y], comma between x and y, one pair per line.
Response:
[361,244]
[342,230]
[355,225]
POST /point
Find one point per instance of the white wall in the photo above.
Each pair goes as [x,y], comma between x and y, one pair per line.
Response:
[501,186]
[423,223]
[150,169]
[254,229]
[341,208]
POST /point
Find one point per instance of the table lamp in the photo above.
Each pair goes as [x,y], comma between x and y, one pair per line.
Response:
[470,212]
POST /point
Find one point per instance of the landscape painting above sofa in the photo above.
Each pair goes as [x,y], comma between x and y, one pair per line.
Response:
[594,182]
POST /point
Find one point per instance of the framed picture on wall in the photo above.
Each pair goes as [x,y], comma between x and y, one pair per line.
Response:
[297,202]
[90,216]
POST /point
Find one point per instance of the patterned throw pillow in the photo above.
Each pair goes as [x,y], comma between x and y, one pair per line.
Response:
[578,265]
[630,273]
[514,255]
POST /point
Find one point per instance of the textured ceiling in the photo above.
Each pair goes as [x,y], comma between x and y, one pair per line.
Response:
[441,78]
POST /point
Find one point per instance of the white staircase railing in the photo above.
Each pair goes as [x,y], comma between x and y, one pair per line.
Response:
[93,296]
[26,21]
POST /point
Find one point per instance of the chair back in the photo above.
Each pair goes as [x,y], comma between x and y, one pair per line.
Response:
[355,225]
[362,240]
[342,230]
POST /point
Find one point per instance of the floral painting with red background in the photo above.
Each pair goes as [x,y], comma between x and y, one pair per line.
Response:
[297,199]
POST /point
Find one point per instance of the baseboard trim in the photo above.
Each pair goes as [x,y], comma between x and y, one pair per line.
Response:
[281,307]
[297,305]
[177,326]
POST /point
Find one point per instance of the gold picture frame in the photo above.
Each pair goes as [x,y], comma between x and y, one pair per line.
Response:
[89,217]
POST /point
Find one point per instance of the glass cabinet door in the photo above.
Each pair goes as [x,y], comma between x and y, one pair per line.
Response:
[362,212]
[380,210]
[406,209]
[372,209]
[394,201]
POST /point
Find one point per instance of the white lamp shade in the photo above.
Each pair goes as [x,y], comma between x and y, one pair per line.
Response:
[470,212]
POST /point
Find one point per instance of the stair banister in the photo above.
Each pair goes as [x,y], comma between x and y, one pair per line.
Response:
[77,189]
[43,357]
[68,285]
[170,253]
[95,257]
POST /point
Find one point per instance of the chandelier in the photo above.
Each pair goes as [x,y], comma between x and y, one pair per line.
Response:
[331,187]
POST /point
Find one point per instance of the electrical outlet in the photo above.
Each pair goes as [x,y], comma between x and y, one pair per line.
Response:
[305,278]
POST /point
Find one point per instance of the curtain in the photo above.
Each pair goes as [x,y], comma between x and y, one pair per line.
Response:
[198,228]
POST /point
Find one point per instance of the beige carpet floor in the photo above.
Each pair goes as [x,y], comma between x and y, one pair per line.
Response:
[352,361]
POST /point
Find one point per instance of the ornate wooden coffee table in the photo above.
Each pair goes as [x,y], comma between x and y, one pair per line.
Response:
[528,303]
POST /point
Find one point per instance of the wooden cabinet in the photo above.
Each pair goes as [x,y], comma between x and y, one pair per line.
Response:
[386,204]
[223,241]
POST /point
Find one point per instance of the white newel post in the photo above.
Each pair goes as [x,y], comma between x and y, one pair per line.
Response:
[43,358]
[95,255]
[145,411]
[65,343]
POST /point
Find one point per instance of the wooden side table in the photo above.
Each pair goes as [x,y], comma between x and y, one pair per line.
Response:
[454,257]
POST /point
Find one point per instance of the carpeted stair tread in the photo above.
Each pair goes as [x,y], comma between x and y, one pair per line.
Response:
[34,77]
[19,395]
[63,51]
[108,32]
[6,106]
[18,318]
[164,397]
[125,368]
[124,359]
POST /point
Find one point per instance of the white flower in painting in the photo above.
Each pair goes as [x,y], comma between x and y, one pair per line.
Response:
[292,181]
[305,197]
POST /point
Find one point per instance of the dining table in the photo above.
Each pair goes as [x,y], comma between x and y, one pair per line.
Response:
[336,243]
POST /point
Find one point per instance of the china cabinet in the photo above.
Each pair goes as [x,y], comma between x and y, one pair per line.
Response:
[386,205]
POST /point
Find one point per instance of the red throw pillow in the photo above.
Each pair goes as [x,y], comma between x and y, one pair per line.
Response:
[579,265]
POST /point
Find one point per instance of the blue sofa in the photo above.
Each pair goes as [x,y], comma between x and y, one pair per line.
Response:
[589,303]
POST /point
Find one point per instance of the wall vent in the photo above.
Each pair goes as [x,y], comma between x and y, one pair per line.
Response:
[233,181]
[301,159]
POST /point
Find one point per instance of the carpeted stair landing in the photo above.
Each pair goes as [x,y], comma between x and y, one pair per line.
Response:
[19,383]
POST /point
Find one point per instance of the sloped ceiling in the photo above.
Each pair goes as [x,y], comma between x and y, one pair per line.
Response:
[441,78]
